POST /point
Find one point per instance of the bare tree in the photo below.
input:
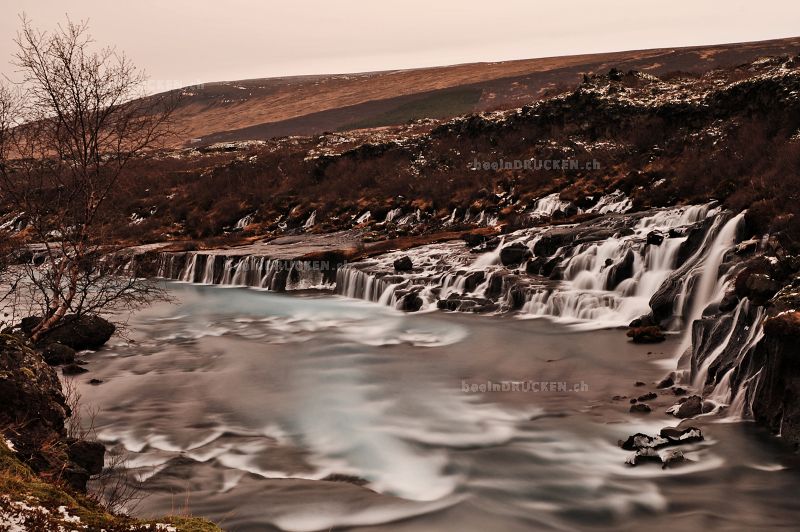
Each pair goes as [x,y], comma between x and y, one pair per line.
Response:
[76,128]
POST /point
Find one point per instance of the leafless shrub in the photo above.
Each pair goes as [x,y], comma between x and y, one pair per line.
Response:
[71,131]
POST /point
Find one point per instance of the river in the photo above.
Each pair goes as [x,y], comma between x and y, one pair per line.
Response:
[233,403]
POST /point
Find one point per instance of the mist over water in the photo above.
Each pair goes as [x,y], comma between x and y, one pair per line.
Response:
[236,402]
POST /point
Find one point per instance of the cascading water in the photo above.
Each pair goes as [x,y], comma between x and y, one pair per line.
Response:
[605,282]
[711,286]
[246,270]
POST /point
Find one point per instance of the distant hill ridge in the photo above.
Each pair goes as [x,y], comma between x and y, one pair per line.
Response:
[306,105]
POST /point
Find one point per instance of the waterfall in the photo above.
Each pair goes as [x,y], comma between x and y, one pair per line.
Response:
[605,281]
[547,206]
[311,221]
[610,282]
[711,286]
[246,270]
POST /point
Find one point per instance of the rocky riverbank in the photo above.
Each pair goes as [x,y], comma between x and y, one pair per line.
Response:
[44,469]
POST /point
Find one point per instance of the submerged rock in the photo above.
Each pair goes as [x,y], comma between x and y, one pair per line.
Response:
[646,335]
[640,408]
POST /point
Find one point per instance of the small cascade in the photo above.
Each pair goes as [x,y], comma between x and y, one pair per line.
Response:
[246,270]
[393,214]
[610,282]
[245,221]
[607,271]
[311,221]
[616,202]
[703,285]
[547,206]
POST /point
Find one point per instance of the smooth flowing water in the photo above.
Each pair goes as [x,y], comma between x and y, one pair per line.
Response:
[233,403]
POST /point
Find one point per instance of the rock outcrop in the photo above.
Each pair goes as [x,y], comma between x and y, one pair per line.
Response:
[33,413]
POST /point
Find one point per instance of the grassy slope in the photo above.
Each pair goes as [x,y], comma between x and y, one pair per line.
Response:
[303,105]
[20,484]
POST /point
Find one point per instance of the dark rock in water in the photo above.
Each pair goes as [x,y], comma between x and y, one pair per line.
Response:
[633,400]
[688,407]
[678,436]
[667,436]
[729,302]
[86,454]
[675,458]
[473,279]
[517,297]
[643,321]
[95,382]
[677,390]
[694,240]
[642,441]
[79,333]
[514,254]
[549,243]
[57,354]
[644,456]
[646,335]
[473,240]
[640,408]
[639,383]
[776,402]
[403,264]
[648,396]
[654,238]
[540,266]
[410,303]
[490,244]
[620,271]
[666,382]
[73,369]
[495,288]
[350,479]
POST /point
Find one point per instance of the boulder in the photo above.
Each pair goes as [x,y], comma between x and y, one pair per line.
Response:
[73,369]
[514,254]
[620,271]
[640,408]
[473,280]
[646,335]
[57,354]
[688,407]
[472,239]
[648,396]
[403,264]
[666,382]
[79,333]
[644,456]
[674,458]
[410,303]
[654,238]
[677,435]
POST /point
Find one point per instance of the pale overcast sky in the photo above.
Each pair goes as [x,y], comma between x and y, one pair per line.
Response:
[180,42]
